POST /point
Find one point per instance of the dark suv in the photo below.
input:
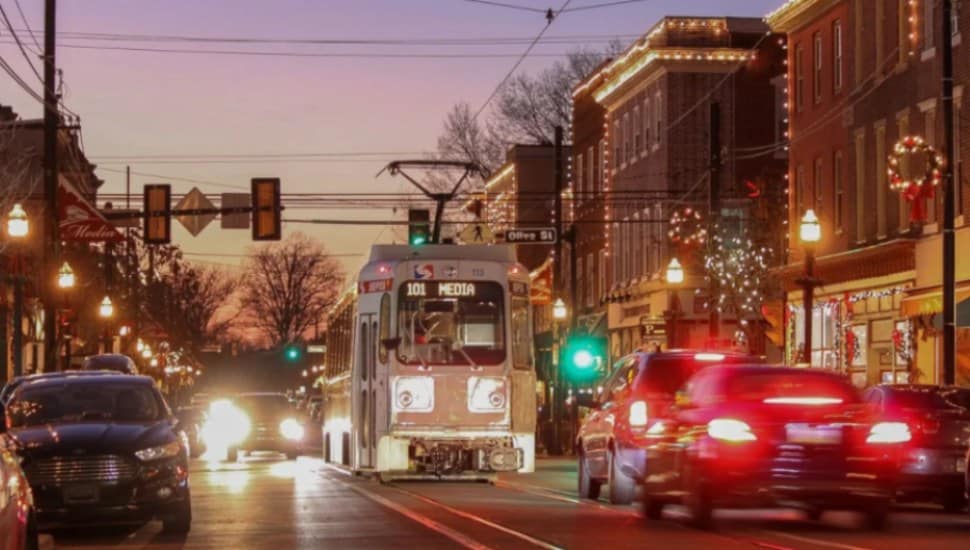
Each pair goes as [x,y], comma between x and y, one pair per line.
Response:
[611,443]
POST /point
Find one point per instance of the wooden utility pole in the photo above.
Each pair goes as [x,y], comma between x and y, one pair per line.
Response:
[51,229]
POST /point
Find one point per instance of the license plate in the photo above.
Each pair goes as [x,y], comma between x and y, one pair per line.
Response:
[961,465]
[80,494]
[813,435]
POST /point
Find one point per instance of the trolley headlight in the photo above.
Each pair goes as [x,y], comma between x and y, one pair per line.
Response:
[291,429]
[486,394]
[414,394]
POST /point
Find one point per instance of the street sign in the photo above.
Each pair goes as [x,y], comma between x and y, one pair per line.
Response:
[195,200]
[123,217]
[477,233]
[538,235]
[239,220]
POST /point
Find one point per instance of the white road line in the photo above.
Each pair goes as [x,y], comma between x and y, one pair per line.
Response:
[518,534]
[556,495]
[817,542]
[421,519]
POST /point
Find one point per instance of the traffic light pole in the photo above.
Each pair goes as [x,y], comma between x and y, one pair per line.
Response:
[949,198]
[556,400]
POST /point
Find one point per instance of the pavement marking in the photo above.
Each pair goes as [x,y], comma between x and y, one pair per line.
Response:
[454,535]
[556,495]
[469,516]
[817,542]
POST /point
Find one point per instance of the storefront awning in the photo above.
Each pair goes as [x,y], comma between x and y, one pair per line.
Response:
[930,301]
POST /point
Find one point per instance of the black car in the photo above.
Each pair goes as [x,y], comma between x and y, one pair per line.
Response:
[101,449]
[111,361]
[934,464]
[190,420]
[13,384]
[756,436]
[274,425]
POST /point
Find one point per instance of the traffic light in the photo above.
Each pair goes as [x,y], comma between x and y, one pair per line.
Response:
[583,359]
[267,209]
[292,353]
[419,226]
[158,214]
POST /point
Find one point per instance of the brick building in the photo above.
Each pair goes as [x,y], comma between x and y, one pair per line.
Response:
[862,76]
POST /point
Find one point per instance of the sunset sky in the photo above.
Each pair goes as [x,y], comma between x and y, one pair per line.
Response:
[136,103]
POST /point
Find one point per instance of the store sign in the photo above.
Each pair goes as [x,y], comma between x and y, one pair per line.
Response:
[79,221]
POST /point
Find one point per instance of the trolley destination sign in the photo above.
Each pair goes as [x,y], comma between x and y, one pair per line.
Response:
[535,235]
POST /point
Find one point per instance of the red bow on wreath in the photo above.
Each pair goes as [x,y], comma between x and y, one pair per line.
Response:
[915,187]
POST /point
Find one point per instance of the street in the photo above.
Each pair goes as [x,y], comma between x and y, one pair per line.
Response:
[267,502]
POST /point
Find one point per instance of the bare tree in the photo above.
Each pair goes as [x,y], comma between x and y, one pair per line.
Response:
[467,139]
[289,286]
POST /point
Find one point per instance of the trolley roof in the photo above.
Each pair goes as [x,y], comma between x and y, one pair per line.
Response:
[494,253]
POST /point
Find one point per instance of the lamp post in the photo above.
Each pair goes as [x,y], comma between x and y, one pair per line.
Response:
[65,281]
[18,226]
[106,311]
[559,314]
[810,233]
[675,278]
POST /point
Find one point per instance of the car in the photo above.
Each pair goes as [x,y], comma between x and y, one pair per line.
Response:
[101,450]
[190,420]
[609,450]
[12,385]
[110,361]
[273,424]
[18,518]
[934,466]
[761,436]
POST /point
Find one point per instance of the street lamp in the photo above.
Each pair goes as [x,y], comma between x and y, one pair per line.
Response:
[675,272]
[65,277]
[66,281]
[106,310]
[17,228]
[559,310]
[675,277]
[146,352]
[810,233]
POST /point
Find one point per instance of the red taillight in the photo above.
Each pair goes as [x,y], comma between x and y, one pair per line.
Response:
[638,414]
[889,432]
[729,429]
[803,401]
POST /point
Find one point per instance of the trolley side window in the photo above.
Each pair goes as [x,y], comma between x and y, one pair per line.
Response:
[451,323]
[521,334]
[385,326]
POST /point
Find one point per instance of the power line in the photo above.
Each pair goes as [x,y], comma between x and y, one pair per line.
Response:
[176,178]
[20,45]
[176,156]
[27,26]
[505,5]
[602,5]
[521,59]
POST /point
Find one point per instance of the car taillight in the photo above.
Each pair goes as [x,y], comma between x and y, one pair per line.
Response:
[638,414]
[803,401]
[889,432]
[729,429]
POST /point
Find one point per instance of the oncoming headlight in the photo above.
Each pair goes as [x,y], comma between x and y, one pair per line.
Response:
[486,394]
[291,429]
[414,394]
[225,425]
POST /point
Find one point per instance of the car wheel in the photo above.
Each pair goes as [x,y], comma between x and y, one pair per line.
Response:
[291,455]
[622,487]
[953,501]
[32,542]
[699,501]
[181,521]
[653,508]
[232,454]
[876,515]
[588,487]
[814,514]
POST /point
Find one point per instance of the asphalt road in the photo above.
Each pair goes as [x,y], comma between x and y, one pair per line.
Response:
[268,502]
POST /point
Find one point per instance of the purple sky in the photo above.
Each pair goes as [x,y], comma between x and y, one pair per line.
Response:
[137,103]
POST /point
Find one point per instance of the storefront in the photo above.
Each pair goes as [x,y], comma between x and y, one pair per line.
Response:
[650,315]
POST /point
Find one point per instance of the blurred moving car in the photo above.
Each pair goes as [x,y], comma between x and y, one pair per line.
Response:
[255,422]
[610,446]
[750,436]
[18,519]
[111,361]
[101,449]
[934,465]
[190,420]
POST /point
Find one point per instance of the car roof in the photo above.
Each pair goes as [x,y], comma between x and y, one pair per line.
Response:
[262,394]
[102,377]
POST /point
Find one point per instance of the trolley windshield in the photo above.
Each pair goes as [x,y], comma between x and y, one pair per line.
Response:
[451,323]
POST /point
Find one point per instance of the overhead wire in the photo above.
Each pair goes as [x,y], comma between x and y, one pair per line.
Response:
[30,31]
[20,45]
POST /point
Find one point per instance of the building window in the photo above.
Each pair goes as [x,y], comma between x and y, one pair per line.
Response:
[601,164]
[637,145]
[817,68]
[799,79]
[929,27]
[880,22]
[646,125]
[658,117]
[929,133]
[860,185]
[617,145]
[579,187]
[659,232]
[902,30]
[881,183]
[837,55]
[627,140]
[580,298]
[817,186]
[902,129]
[801,196]
[955,20]
[636,249]
[601,274]
[589,280]
[859,22]
[591,182]
[839,185]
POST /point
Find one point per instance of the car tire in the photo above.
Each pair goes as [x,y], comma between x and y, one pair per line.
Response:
[589,488]
[876,515]
[232,454]
[653,508]
[33,538]
[814,514]
[291,455]
[699,501]
[953,501]
[181,521]
[623,488]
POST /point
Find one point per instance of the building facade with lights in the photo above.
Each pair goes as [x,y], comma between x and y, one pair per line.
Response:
[863,78]
[656,159]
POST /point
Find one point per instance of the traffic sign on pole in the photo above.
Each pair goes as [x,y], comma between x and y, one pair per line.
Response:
[537,235]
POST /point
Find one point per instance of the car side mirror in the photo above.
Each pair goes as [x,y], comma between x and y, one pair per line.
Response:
[681,401]
[391,344]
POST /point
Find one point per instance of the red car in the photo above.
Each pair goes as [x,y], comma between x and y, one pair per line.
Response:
[18,521]
[757,436]
[611,445]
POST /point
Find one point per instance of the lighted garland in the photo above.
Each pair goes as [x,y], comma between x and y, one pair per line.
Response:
[687,228]
[919,186]
[739,266]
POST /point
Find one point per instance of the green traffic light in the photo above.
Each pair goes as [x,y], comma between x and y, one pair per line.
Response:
[583,359]
[292,354]
[418,240]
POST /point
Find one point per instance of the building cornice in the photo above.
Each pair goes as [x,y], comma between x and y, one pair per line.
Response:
[795,14]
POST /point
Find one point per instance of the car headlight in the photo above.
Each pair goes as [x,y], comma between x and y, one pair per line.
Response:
[486,394]
[414,394]
[291,429]
[225,425]
[167,450]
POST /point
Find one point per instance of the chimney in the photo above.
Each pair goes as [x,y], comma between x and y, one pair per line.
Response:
[7,114]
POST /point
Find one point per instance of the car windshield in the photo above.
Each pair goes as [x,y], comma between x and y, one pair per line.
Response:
[265,405]
[451,323]
[71,403]
[789,388]
[929,398]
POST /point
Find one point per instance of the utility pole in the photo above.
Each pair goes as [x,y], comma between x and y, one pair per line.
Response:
[556,395]
[949,237]
[714,219]
[51,229]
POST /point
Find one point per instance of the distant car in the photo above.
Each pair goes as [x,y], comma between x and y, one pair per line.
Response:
[18,519]
[934,465]
[610,446]
[111,361]
[13,384]
[759,436]
[100,450]
[274,425]
[190,420]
